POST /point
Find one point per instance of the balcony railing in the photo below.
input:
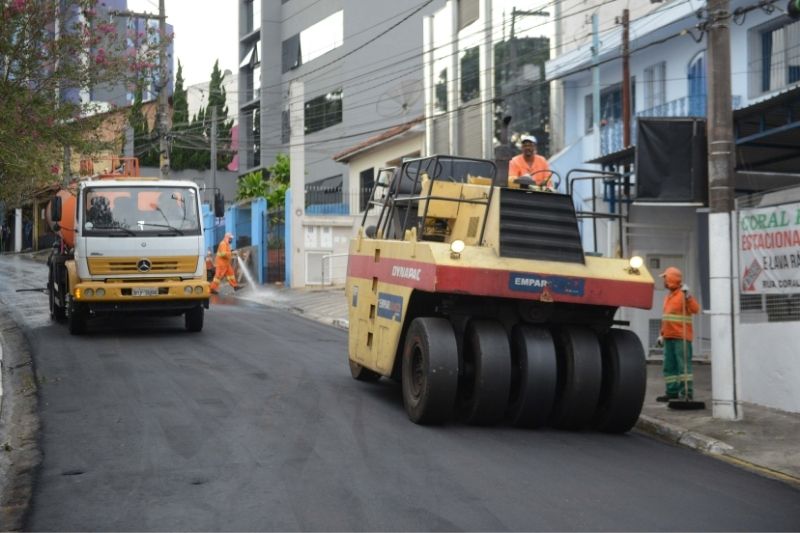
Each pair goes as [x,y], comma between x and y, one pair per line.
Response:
[688,106]
[333,201]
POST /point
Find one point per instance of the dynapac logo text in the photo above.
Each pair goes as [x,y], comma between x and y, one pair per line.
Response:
[406,272]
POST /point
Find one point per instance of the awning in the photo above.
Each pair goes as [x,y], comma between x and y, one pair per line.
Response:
[767,134]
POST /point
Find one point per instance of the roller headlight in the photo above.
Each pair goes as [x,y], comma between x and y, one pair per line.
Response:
[100,292]
[187,290]
[88,293]
[634,264]
[198,290]
[457,246]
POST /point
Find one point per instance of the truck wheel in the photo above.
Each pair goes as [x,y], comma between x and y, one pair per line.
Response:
[430,370]
[533,376]
[76,317]
[194,319]
[487,373]
[624,382]
[362,373]
[579,374]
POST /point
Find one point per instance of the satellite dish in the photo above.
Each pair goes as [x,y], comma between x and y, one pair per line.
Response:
[400,99]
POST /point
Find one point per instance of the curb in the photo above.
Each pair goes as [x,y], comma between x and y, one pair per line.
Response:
[20,456]
[680,436]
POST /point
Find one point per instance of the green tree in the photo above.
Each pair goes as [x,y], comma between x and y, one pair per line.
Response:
[278,182]
[145,140]
[41,75]
[192,140]
[252,185]
[180,157]
[271,184]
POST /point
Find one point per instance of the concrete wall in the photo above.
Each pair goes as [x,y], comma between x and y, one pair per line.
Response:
[769,364]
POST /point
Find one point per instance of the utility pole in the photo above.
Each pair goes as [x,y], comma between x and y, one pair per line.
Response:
[626,111]
[626,81]
[721,204]
[162,90]
[213,166]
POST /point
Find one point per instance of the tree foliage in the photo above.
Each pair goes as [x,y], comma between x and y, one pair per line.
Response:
[191,140]
[273,187]
[51,52]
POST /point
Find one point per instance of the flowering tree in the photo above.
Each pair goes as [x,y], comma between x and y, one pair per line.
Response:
[51,53]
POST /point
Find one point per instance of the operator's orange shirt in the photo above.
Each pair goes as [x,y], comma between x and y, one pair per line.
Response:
[519,167]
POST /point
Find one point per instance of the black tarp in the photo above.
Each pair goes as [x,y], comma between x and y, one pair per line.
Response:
[671,161]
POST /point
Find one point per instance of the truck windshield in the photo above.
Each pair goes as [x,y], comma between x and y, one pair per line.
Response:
[150,210]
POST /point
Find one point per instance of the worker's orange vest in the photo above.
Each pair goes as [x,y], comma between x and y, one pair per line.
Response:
[676,322]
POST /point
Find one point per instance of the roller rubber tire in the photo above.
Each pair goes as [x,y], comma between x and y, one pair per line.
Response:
[534,376]
[487,377]
[580,371]
[193,319]
[624,382]
[429,370]
[362,373]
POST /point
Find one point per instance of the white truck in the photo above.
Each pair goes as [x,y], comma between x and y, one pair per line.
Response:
[128,245]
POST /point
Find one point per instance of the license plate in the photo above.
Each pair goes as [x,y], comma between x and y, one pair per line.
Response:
[144,291]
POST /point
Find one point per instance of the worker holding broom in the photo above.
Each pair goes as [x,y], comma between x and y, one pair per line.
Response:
[676,337]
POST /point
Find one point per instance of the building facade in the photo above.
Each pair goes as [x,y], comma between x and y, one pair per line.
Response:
[361,65]
[668,85]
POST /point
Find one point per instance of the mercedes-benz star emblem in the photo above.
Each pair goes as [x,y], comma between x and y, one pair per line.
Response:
[143,265]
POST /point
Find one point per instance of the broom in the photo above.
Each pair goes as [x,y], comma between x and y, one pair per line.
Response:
[684,403]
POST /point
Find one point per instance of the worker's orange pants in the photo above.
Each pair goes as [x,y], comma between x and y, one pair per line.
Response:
[225,271]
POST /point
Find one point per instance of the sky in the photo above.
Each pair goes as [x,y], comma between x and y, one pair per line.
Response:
[204,31]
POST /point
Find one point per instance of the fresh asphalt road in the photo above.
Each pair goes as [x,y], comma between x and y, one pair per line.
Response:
[255,424]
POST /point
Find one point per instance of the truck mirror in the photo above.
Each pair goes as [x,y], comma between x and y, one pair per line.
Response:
[55,209]
[219,205]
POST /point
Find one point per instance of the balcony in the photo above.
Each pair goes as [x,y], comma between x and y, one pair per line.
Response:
[688,106]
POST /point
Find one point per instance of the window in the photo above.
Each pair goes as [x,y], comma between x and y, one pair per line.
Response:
[655,85]
[780,57]
[323,111]
[253,14]
[313,42]
[470,75]
[441,91]
[588,113]
[366,182]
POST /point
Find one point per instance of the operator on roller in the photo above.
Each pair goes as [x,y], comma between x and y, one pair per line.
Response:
[529,164]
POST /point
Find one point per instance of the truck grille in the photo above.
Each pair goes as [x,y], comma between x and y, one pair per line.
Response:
[539,225]
[108,266]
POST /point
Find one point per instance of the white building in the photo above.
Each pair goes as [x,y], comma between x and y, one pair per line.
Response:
[668,79]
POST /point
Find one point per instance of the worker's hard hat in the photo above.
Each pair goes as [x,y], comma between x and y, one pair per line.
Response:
[528,138]
[672,275]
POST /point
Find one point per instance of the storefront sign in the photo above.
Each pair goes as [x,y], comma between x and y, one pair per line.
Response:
[769,249]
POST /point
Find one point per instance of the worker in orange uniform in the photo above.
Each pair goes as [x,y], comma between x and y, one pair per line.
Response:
[676,337]
[223,264]
[530,164]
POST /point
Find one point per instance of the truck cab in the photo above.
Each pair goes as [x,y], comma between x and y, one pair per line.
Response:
[128,245]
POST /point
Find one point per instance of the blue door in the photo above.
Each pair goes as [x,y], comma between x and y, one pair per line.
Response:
[697,85]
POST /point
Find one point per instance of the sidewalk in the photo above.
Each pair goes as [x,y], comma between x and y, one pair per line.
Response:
[764,441]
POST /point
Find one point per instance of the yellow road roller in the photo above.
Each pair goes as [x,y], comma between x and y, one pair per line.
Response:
[481,302]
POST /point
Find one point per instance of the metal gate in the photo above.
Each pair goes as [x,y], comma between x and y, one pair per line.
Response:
[276,251]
